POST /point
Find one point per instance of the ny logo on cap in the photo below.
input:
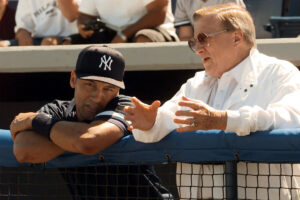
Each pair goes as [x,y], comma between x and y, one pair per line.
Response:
[106,62]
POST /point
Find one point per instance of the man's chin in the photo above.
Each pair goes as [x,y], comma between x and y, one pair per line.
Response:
[86,116]
[211,73]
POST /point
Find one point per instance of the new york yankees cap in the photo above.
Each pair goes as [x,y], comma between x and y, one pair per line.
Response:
[101,63]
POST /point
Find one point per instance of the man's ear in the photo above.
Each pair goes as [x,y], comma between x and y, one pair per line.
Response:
[238,37]
[73,79]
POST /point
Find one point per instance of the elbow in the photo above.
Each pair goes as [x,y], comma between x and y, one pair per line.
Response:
[72,18]
[21,155]
[160,18]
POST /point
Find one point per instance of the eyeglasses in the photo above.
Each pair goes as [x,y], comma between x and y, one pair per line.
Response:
[202,38]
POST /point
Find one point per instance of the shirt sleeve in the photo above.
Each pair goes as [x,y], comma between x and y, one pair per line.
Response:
[114,113]
[181,16]
[55,109]
[146,2]
[88,7]
[24,16]
[282,111]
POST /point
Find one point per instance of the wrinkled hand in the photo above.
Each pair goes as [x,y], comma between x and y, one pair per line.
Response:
[84,33]
[117,39]
[21,122]
[142,116]
[201,117]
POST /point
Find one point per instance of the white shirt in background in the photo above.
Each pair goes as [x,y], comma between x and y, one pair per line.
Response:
[119,14]
[43,18]
[185,9]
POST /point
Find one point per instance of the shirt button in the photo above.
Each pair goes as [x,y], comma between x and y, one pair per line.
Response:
[245,90]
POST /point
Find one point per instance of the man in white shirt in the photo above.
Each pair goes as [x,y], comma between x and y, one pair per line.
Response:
[126,21]
[45,22]
[241,89]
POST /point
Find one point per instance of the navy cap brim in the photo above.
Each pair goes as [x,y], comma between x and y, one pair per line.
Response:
[114,82]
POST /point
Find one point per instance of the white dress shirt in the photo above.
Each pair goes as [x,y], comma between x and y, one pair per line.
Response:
[260,93]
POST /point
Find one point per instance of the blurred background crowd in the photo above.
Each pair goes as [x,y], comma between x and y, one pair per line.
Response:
[63,22]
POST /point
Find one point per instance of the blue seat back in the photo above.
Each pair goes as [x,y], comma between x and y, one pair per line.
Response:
[261,10]
[13,4]
[294,8]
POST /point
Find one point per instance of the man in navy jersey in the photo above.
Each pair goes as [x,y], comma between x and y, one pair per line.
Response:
[92,121]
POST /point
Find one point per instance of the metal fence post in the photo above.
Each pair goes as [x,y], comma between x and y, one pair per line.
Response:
[231,180]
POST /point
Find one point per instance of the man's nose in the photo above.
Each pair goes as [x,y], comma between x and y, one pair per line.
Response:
[97,95]
[200,49]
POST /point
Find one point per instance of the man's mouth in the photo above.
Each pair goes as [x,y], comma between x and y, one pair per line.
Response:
[206,59]
[90,108]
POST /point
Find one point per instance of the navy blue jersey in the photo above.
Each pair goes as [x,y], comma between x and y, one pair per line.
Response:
[107,181]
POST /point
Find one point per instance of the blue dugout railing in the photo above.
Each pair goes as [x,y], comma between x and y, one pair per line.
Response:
[277,146]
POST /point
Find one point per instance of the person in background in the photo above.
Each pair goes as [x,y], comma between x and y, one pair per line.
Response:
[7,23]
[130,21]
[241,90]
[184,14]
[45,22]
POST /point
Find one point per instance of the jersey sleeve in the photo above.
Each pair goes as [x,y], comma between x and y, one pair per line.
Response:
[55,109]
[114,113]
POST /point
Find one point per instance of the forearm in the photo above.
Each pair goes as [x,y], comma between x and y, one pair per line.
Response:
[24,37]
[84,18]
[156,13]
[67,134]
[185,33]
[69,9]
[31,147]
[85,138]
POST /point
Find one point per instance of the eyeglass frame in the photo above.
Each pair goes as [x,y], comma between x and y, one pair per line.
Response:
[205,42]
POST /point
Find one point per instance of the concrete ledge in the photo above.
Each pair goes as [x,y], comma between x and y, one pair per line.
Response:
[139,57]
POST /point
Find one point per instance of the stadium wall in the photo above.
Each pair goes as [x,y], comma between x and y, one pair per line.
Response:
[32,76]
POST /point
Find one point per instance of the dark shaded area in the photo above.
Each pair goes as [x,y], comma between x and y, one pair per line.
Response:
[24,92]
[85,183]
[153,85]
[34,86]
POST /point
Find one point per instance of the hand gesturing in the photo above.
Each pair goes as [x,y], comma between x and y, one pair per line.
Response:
[142,116]
[201,117]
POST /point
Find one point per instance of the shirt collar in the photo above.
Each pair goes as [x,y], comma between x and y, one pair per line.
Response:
[245,72]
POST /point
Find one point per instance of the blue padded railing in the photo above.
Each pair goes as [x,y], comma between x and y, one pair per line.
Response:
[264,146]
[276,146]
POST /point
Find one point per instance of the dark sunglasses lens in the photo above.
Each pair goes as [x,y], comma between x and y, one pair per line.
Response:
[192,44]
[202,38]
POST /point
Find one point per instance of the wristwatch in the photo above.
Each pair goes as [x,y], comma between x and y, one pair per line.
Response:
[120,33]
